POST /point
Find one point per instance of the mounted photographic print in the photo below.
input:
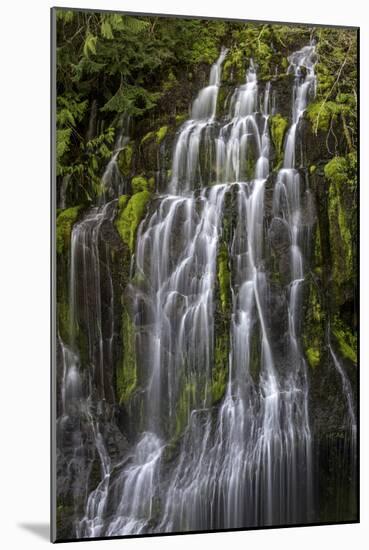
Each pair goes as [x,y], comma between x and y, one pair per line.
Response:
[205,274]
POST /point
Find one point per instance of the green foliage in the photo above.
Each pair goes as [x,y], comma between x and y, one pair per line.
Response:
[130,214]
[90,44]
[131,99]
[267,45]
[62,147]
[336,70]
[64,224]
[106,30]
[347,341]
[135,65]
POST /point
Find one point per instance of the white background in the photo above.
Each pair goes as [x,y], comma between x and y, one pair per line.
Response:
[24,271]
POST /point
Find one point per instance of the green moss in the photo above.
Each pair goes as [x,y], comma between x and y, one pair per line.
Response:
[140,183]
[161,133]
[147,137]
[320,114]
[181,118]
[312,169]
[336,170]
[64,224]
[122,201]
[313,331]
[278,127]
[224,276]
[341,175]
[126,378]
[125,160]
[346,340]
[313,356]
[130,215]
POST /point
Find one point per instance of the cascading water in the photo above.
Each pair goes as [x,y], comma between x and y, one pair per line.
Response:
[87,393]
[244,459]
[112,180]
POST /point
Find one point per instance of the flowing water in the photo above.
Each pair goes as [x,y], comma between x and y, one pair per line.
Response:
[200,463]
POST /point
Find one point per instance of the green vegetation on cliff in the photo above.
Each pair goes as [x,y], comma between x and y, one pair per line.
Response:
[278,128]
[341,175]
[130,214]
[156,65]
[64,224]
[127,367]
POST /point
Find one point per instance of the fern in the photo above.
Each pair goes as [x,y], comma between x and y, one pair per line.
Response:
[90,44]
[134,25]
[132,99]
[106,30]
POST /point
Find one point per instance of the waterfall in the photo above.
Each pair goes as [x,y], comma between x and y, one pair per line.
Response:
[112,180]
[86,391]
[200,460]
[186,167]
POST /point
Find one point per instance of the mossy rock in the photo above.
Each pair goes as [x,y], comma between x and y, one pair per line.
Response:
[147,137]
[181,118]
[125,160]
[126,374]
[341,175]
[64,224]
[313,335]
[161,133]
[130,213]
[346,340]
[140,183]
[342,170]
[320,114]
[313,356]
[278,128]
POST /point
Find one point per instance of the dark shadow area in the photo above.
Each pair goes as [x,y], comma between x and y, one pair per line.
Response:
[42,530]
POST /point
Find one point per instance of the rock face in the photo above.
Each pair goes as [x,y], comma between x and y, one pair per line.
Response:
[128,420]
